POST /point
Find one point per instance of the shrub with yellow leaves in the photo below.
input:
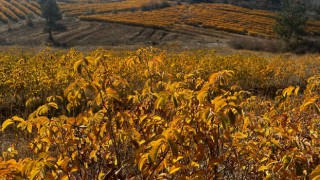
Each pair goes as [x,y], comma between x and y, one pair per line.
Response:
[152,115]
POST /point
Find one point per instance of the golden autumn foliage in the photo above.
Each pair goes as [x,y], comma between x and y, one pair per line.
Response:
[150,114]
[84,8]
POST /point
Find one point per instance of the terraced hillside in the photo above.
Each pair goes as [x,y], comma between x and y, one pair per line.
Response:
[222,17]
[15,10]
[139,22]
[84,33]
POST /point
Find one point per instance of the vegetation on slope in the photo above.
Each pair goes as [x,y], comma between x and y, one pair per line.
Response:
[16,10]
[127,5]
[148,114]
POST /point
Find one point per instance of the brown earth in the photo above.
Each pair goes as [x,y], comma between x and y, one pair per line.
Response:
[92,34]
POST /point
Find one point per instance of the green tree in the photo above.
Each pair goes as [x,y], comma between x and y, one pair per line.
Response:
[51,12]
[291,21]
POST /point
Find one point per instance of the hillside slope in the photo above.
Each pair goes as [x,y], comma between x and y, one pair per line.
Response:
[82,33]
[221,17]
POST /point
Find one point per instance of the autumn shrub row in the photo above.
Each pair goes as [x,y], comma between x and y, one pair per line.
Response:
[153,19]
[152,115]
[3,18]
[32,6]
[21,7]
[8,13]
[82,9]
[14,10]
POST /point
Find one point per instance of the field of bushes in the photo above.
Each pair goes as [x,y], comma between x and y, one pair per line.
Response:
[151,114]
[97,8]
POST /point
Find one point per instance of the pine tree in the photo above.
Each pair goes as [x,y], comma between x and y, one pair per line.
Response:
[291,21]
[51,12]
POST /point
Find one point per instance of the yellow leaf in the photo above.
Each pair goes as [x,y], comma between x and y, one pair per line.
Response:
[6,123]
[315,174]
[96,84]
[275,142]
[98,99]
[174,169]
[220,78]
[245,123]
[177,159]
[90,59]
[287,91]
[69,107]
[264,159]
[22,125]
[18,119]
[34,173]
[77,66]
[41,120]
[309,102]
[46,139]
[142,160]
[29,127]
[53,104]
[101,176]
[154,150]
[263,168]
[112,93]
[73,155]
[93,154]
[16,166]
[102,131]
[296,91]
[42,110]
[64,163]
[64,177]
[201,96]
[195,165]
[141,142]
[219,103]
[12,161]
[43,155]
[74,169]
[158,59]
[239,135]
